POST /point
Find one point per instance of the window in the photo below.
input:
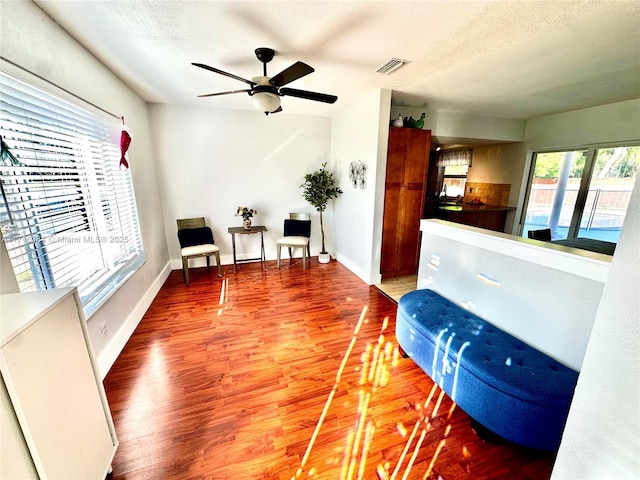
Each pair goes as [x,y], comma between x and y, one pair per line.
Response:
[67,211]
[581,193]
[456,164]
[454,179]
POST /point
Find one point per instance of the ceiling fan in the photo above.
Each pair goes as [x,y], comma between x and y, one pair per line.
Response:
[266,91]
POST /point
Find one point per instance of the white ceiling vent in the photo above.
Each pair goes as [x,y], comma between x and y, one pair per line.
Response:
[390,66]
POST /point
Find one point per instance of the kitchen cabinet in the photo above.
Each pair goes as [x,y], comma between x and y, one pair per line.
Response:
[405,188]
[58,420]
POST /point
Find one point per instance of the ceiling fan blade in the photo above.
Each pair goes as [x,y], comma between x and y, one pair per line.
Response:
[225,93]
[288,75]
[318,97]
[279,109]
[226,74]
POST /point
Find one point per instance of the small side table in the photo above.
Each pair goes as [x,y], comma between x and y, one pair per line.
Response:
[242,231]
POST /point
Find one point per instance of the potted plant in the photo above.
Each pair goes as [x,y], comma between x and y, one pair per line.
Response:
[320,187]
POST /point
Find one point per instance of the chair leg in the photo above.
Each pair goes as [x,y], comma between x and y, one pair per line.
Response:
[185,269]
[208,262]
[304,259]
[278,247]
[218,264]
[290,256]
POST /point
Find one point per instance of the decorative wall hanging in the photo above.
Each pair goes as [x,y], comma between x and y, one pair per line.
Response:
[358,174]
[125,141]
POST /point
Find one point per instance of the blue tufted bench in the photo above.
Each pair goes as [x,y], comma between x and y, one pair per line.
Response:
[507,386]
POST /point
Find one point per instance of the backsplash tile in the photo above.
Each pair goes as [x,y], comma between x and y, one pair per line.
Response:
[489,193]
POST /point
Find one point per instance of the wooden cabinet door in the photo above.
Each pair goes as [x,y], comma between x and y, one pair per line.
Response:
[390,229]
[405,183]
[417,158]
[396,155]
[408,238]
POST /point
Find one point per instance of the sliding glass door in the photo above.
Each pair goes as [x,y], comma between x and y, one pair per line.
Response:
[581,193]
[609,193]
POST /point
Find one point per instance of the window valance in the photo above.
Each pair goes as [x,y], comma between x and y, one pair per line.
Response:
[455,158]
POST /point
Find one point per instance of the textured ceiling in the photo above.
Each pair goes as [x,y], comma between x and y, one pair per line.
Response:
[512,59]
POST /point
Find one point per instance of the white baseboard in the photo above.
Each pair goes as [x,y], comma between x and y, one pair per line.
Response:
[367,277]
[109,355]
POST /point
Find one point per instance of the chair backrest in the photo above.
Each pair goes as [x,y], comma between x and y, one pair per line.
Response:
[193,231]
[297,228]
[196,222]
[299,216]
[189,237]
[542,234]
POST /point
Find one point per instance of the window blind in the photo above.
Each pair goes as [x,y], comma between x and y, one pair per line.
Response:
[67,212]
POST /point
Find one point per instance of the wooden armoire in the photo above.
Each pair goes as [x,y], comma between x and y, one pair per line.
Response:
[405,190]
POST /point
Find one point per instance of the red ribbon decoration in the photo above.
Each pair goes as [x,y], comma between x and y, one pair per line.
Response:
[125,141]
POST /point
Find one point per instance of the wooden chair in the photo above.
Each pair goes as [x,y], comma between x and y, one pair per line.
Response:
[297,234]
[196,240]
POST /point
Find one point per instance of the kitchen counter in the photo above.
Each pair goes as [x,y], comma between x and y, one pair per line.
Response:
[473,208]
[491,217]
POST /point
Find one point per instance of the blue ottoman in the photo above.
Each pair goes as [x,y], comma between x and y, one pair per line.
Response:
[509,387]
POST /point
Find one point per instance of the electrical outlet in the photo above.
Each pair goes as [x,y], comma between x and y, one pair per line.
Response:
[103,328]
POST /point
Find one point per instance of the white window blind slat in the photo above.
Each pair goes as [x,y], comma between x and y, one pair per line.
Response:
[67,212]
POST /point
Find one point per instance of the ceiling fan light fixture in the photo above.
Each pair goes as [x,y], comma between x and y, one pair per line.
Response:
[266,102]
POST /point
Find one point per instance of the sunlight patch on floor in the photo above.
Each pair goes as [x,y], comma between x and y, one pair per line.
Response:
[375,361]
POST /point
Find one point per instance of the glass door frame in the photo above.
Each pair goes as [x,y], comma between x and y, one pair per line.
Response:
[583,192]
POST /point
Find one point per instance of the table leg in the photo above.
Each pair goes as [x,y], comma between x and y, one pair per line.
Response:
[233,243]
[263,257]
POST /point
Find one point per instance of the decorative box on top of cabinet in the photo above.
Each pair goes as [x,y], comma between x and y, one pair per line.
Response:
[52,393]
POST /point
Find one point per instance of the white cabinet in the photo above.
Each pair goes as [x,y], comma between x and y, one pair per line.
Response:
[52,387]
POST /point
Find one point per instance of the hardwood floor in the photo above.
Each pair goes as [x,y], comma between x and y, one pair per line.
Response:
[286,374]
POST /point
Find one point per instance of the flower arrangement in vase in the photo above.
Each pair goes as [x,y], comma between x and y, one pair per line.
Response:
[246,213]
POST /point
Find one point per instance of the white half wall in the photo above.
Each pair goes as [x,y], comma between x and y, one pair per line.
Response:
[543,294]
[602,436]
[211,161]
[36,44]
[360,133]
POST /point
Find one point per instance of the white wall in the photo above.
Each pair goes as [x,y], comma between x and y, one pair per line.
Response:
[602,435]
[450,127]
[613,123]
[501,163]
[30,39]
[210,161]
[360,132]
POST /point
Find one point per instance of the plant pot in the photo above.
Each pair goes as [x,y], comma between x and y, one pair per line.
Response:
[324,258]
[246,224]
